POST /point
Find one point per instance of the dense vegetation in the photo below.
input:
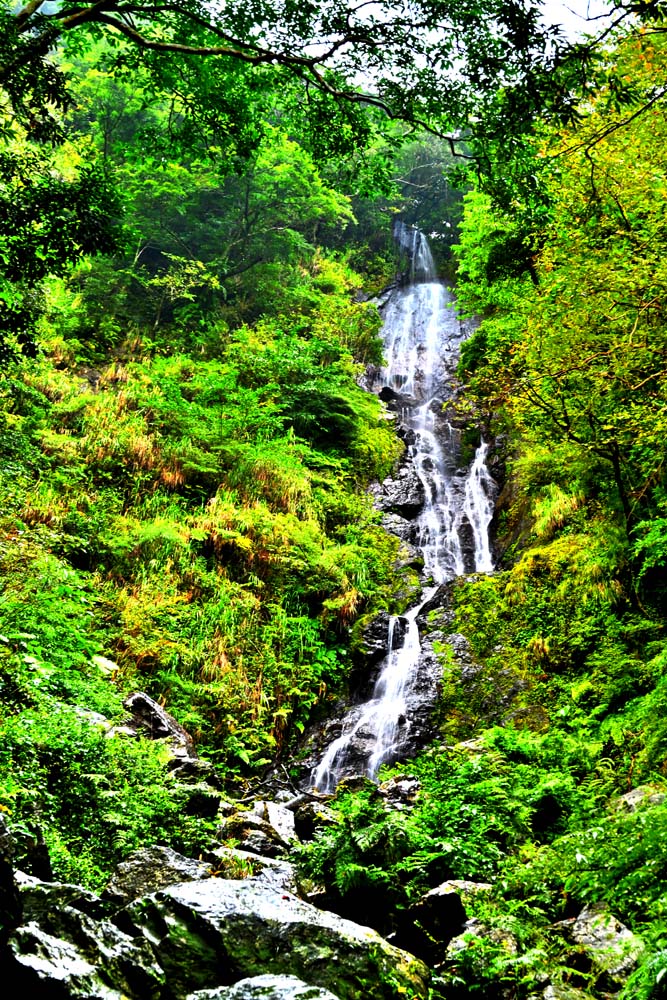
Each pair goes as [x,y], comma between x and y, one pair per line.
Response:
[565,713]
[185,449]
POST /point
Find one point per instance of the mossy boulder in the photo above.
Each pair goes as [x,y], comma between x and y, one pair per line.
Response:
[213,933]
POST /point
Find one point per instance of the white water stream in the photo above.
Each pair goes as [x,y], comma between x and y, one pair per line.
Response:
[422,337]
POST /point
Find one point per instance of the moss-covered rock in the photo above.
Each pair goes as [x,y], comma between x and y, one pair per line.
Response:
[214,932]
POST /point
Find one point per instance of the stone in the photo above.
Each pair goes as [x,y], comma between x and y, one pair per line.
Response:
[152,868]
[611,946]
[643,795]
[39,899]
[153,721]
[10,903]
[400,792]
[278,817]
[209,933]
[434,920]
[71,955]
[404,529]
[440,602]
[195,771]
[199,800]
[275,874]
[310,816]
[475,929]
[45,966]
[559,991]
[403,494]
[266,988]
[252,833]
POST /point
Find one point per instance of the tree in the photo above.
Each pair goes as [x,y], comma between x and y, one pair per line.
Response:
[428,62]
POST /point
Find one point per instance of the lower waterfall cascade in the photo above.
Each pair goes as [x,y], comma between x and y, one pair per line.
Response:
[422,337]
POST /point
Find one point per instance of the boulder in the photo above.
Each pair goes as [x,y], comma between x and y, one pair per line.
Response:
[559,991]
[195,771]
[211,933]
[253,833]
[643,795]
[403,494]
[10,905]
[400,792]
[153,721]
[404,529]
[39,899]
[310,816]
[441,602]
[71,955]
[266,988]
[152,868]
[279,818]
[473,931]
[436,918]
[230,863]
[611,946]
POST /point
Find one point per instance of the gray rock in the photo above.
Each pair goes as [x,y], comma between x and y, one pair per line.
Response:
[400,792]
[10,905]
[39,899]
[611,946]
[474,929]
[432,922]
[70,955]
[274,874]
[404,529]
[403,494]
[195,771]
[266,988]
[252,833]
[43,965]
[152,868]
[558,991]
[278,817]
[205,933]
[153,721]
[643,795]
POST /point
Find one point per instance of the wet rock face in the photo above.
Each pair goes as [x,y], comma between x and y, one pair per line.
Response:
[404,529]
[69,954]
[234,938]
[375,636]
[266,988]
[209,933]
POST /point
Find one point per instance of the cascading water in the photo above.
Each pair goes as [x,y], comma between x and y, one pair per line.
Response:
[422,337]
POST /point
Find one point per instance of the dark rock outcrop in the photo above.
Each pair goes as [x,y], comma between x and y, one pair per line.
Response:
[70,954]
[375,636]
[310,816]
[153,721]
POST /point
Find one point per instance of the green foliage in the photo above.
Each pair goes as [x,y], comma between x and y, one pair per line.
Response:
[95,798]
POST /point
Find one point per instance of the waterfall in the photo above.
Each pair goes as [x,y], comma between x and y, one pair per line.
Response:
[422,338]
